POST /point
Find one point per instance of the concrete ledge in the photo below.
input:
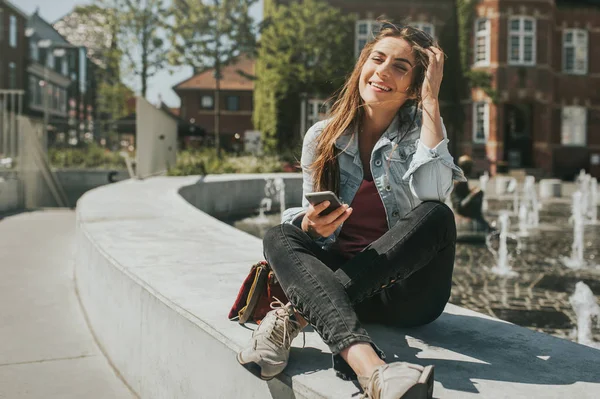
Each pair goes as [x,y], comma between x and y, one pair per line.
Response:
[156,277]
[10,196]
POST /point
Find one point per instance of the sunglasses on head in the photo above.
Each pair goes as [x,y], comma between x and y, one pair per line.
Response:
[417,33]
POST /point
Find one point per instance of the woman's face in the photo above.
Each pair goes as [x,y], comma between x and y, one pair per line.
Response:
[387,74]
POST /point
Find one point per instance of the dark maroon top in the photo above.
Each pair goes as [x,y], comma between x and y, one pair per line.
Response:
[367,223]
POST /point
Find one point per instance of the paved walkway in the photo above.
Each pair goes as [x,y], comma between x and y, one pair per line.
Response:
[46,348]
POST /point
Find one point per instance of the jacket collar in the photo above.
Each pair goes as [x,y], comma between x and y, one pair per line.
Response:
[348,141]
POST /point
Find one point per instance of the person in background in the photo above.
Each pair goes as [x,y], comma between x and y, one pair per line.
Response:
[467,202]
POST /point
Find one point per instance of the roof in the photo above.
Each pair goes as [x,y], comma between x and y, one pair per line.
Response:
[232,79]
[15,8]
[44,30]
[168,111]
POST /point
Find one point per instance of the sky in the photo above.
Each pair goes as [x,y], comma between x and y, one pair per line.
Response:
[160,85]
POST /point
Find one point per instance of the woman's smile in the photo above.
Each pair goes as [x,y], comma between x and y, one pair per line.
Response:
[379,87]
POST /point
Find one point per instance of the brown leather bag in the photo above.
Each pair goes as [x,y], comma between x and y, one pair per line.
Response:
[258,291]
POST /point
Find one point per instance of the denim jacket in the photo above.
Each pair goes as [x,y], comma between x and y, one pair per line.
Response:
[405,171]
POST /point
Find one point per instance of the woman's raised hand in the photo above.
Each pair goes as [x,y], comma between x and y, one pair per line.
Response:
[316,225]
[433,75]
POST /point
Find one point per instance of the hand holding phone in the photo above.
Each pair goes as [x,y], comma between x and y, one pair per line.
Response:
[322,196]
[325,214]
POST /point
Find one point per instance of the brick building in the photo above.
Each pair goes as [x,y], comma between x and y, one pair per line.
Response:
[198,103]
[61,83]
[13,47]
[544,59]
[437,17]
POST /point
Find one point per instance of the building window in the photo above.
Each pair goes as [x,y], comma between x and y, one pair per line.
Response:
[39,92]
[54,97]
[482,41]
[364,33]
[33,86]
[575,51]
[425,27]
[64,66]
[521,41]
[317,110]
[34,51]
[63,100]
[233,103]
[12,32]
[12,75]
[49,59]
[574,122]
[207,102]
[481,122]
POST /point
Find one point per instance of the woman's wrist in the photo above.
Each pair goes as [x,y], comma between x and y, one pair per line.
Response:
[430,102]
[309,230]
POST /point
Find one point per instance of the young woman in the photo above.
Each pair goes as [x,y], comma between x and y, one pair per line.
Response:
[388,257]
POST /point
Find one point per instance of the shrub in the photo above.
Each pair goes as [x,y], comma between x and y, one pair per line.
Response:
[194,162]
[91,156]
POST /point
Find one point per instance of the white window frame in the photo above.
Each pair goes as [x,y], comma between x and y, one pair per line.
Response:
[316,110]
[581,49]
[423,25]
[486,122]
[522,34]
[206,97]
[486,34]
[372,28]
[13,28]
[568,135]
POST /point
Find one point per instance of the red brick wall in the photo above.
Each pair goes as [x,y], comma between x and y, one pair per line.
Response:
[544,85]
[8,54]
[230,122]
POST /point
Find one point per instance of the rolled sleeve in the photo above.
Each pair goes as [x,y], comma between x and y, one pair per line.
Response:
[432,171]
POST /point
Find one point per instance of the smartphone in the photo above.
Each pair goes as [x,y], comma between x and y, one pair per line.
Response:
[317,198]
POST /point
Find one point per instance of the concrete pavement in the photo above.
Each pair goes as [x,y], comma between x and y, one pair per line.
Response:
[46,348]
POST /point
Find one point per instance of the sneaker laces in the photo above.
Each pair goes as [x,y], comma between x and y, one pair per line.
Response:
[282,333]
[370,390]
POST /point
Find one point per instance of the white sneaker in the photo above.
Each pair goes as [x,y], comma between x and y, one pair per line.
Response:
[268,352]
[399,380]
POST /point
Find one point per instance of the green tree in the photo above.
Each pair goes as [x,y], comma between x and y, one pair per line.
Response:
[305,47]
[141,22]
[465,10]
[210,35]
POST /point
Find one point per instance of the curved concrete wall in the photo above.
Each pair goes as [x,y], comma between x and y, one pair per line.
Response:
[10,192]
[157,276]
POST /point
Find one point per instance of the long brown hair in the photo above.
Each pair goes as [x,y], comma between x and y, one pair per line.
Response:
[348,109]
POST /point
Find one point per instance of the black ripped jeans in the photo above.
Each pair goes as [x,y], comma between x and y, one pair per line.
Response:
[402,279]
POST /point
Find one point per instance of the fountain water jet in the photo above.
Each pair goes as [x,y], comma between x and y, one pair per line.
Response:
[502,267]
[593,213]
[586,308]
[576,260]
[483,181]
